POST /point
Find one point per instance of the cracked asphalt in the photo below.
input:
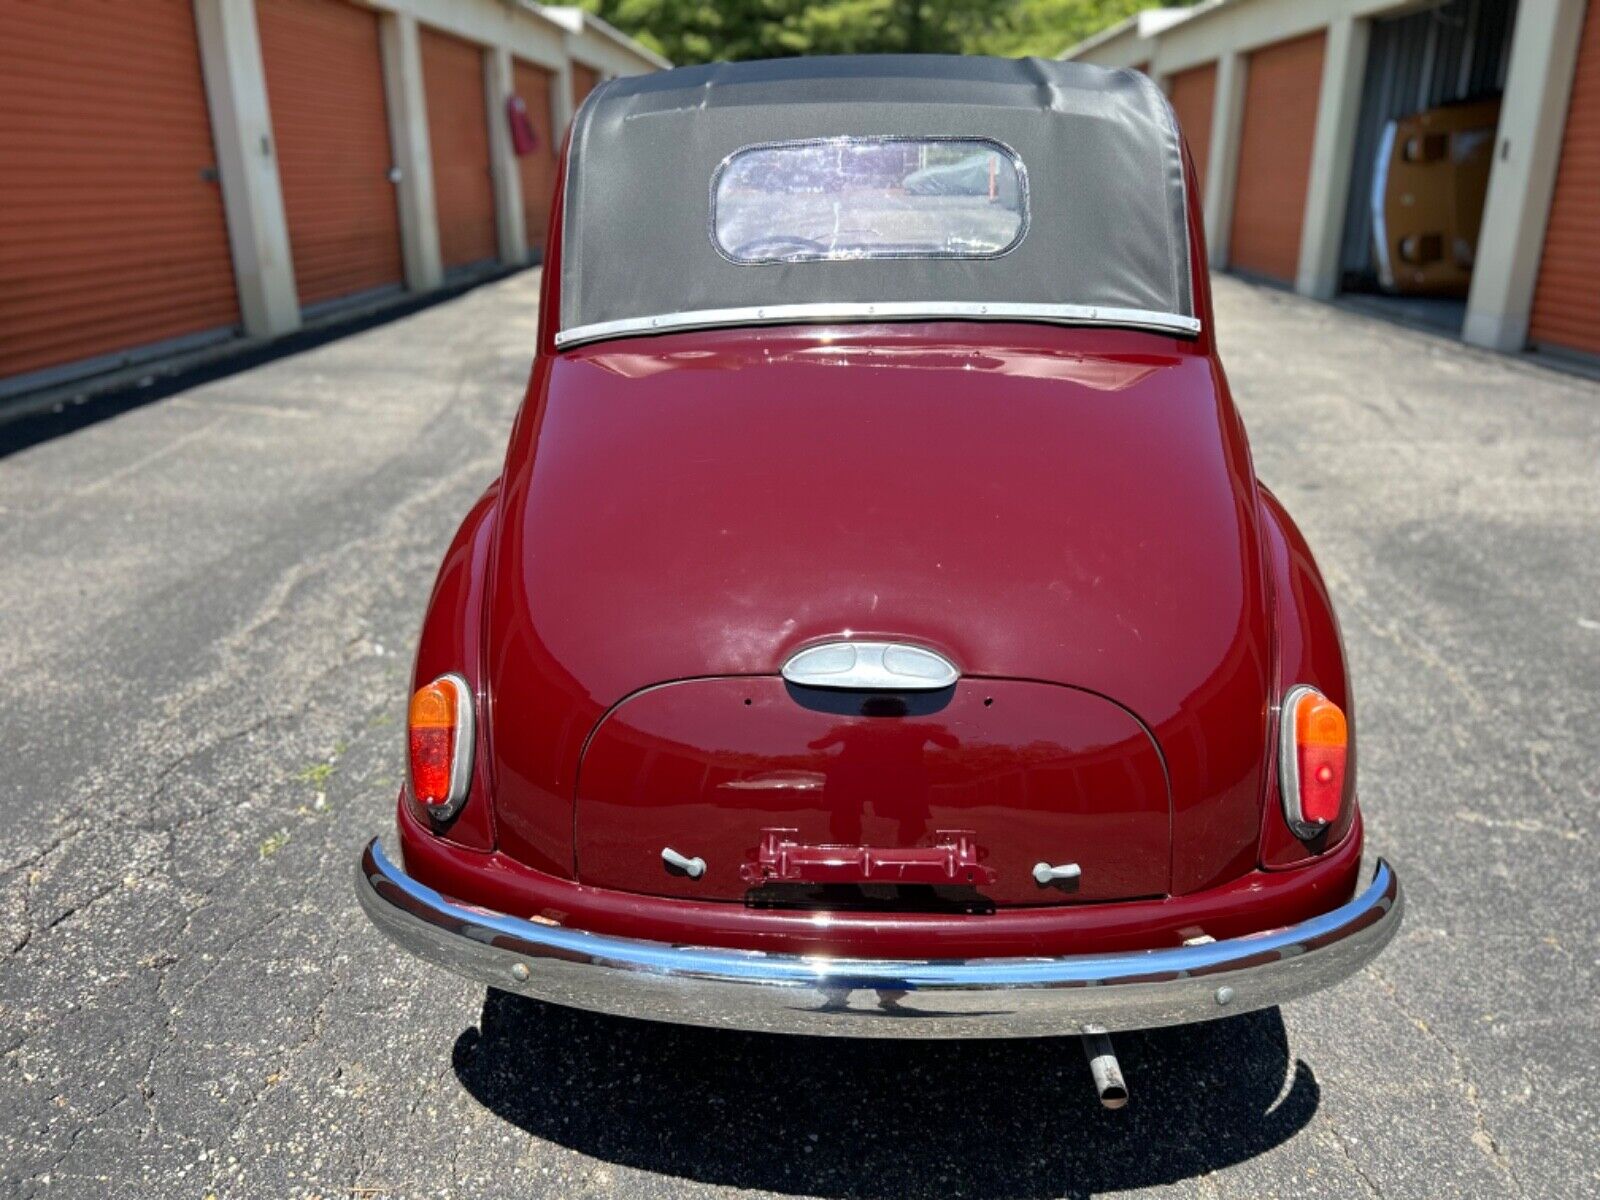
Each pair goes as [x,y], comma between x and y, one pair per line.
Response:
[209,604]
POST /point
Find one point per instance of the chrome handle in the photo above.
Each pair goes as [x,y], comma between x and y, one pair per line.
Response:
[692,867]
[1044,873]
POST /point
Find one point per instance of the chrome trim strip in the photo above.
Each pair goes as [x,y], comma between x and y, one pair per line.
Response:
[871,666]
[1380,220]
[466,742]
[815,994]
[900,310]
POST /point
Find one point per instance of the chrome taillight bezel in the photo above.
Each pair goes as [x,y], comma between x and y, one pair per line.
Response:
[1289,765]
[462,747]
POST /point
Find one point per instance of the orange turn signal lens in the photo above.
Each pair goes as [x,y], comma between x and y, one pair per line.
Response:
[440,737]
[1316,742]
[434,707]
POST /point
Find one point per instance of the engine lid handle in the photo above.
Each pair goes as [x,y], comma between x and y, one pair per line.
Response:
[1044,874]
[692,867]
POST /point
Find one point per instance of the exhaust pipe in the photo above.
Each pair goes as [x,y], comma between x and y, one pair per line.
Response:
[1103,1067]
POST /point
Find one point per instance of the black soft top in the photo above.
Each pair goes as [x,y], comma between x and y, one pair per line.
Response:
[1106,238]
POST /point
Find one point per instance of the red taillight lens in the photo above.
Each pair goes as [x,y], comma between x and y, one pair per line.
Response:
[1316,741]
[440,727]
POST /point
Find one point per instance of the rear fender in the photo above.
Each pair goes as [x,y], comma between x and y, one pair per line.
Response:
[452,640]
[1311,651]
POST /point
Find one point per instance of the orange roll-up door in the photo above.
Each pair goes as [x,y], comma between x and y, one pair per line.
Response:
[325,86]
[1280,120]
[1193,93]
[584,80]
[112,234]
[538,169]
[458,133]
[1566,301]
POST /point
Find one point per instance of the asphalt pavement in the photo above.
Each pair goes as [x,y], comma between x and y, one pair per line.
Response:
[207,610]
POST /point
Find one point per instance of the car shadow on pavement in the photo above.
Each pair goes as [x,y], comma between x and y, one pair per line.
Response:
[873,1118]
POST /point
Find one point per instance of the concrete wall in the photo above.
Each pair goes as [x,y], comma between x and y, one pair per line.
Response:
[1538,82]
[599,45]
[252,195]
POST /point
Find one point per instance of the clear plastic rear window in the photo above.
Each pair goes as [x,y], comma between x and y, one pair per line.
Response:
[851,198]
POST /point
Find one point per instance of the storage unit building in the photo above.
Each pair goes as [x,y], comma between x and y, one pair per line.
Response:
[1415,61]
[1566,301]
[584,80]
[534,87]
[458,135]
[177,173]
[1193,95]
[1280,116]
[1436,160]
[113,244]
[324,79]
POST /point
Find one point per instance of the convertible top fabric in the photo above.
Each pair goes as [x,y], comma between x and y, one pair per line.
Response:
[1107,221]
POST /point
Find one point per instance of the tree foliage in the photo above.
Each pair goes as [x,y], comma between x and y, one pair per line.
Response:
[692,31]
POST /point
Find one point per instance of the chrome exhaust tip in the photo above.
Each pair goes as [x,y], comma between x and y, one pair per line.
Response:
[1104,1068]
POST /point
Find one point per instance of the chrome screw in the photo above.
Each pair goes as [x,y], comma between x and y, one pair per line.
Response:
[1224,995]
[519,972]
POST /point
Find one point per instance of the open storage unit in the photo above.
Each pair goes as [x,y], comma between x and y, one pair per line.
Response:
[1424,144]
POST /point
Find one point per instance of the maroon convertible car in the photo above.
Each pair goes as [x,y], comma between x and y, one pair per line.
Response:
[878,627]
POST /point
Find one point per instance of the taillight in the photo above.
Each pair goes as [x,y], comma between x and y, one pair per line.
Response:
[1315,741]
[440,730]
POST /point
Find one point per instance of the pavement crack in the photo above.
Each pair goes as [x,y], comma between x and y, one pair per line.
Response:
[1372,1186]
[1482,1136]
[66,915]
[38,856]
[429,1088]
[281,1071]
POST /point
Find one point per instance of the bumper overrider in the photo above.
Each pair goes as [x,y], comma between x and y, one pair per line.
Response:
[807,994]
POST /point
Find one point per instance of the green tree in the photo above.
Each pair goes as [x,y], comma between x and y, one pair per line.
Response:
[691,31]
[1047,27]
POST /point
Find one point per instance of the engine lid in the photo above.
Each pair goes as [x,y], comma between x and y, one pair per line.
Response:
[954,797]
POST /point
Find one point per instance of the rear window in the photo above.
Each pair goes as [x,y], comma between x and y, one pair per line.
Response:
[852,198]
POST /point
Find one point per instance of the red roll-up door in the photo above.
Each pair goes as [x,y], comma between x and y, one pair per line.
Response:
[584,80]
[538,169]
[325,86]
[1566,301]
[458,133]
[1193,94]
[112,235]
[1280,120]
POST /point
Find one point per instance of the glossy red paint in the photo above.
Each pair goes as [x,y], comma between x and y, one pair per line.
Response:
[1310,651]
[1067,510]
[1255,901]
[1070,506]
[1035,772]
[452,640]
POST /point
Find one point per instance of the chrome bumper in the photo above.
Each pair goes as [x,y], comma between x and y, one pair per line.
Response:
[968,998]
